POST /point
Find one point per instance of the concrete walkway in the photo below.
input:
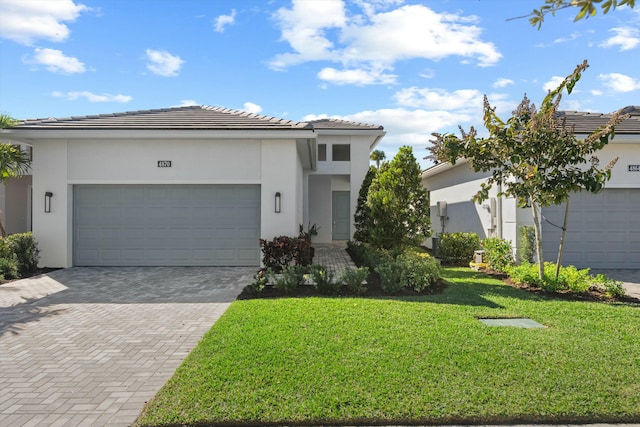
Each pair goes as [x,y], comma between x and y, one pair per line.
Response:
[89,346]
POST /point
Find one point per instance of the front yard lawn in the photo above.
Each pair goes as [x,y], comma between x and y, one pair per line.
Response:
[405,360]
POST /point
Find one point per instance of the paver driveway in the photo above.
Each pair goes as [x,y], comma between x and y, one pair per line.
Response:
[89,346]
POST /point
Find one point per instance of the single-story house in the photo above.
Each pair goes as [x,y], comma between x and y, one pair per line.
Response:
[603,229]
[187,186]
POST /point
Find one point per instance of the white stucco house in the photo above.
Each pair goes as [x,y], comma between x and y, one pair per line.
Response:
[603,229]
[188,186]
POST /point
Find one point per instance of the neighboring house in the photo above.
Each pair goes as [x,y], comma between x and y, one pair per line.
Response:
[603,229]
[189,185]
[15,201]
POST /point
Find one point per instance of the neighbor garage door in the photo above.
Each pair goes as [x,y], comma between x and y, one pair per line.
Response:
[183,225]
[603,230]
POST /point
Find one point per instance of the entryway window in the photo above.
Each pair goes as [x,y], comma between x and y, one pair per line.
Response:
[341,152]
[322,152]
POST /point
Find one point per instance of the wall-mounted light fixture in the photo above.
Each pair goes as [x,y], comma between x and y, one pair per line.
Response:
[47,201]
[278,202]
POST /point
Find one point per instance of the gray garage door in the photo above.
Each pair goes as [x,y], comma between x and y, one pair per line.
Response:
[603,230]
[184,225]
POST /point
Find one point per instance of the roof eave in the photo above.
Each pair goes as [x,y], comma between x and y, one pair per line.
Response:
[49,133]
[442,167]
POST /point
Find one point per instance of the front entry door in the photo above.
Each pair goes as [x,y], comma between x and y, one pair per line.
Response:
[340,215]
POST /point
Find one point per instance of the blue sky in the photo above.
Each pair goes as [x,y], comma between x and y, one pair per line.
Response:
[414,67]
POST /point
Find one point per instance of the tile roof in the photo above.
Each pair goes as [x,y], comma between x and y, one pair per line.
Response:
[588,122]
[198,117]
[341,124]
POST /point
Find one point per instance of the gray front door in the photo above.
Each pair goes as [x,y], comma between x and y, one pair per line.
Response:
[181,225]
[341,216]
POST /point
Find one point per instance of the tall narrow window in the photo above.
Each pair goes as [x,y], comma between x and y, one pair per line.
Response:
[341,152]
[322,152]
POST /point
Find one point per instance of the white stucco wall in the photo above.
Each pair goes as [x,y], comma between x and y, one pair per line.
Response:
[52,230]
[320,206]
[280,165]
[136,161]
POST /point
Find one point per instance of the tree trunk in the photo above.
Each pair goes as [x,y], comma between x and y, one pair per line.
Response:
[3,232]
[536,226]
[564,231]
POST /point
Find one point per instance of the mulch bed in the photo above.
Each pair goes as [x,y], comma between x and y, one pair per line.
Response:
[374,290]
[593,294]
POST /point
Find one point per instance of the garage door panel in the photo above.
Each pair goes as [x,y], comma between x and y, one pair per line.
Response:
[603,230]
[166,224]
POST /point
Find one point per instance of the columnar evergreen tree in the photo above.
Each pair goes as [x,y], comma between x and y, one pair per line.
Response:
[398,203]
[362,218]
[533,156]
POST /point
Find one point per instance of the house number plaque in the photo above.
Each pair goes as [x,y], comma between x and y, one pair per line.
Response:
[633,168]
[164,163]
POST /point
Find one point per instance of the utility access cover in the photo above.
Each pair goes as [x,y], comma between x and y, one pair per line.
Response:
[518,323]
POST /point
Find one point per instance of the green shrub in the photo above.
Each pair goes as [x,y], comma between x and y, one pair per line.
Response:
[5,249]
[457,248]
[498,253]
[526,249]
[419,270]
[569,278]
[8,268]
[353,280]
[391,280]
[290,278]
[609,286]
[323,280]
[25,248]
[260,280]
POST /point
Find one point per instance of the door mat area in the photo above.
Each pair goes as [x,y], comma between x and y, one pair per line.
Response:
[518,323]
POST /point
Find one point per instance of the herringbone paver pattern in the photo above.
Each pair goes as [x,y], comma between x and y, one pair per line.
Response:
[100,342]
[333,256]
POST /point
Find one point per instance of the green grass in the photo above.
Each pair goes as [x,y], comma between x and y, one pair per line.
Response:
[410,360]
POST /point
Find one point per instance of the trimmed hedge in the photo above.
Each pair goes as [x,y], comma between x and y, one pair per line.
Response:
[457,248]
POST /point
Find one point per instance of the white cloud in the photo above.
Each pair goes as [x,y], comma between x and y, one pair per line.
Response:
[573,36]
[620,82]
[25,21]
[553,83]
[626,37]
[502,82]
[186,103]
[439,99]
[596,92]
[163,63]
[56,61]
[304,27]
[92,97]
[358,77]
[322,31]
[224,20]
[250,107]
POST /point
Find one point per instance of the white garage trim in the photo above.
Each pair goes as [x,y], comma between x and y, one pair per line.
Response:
[181,225]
